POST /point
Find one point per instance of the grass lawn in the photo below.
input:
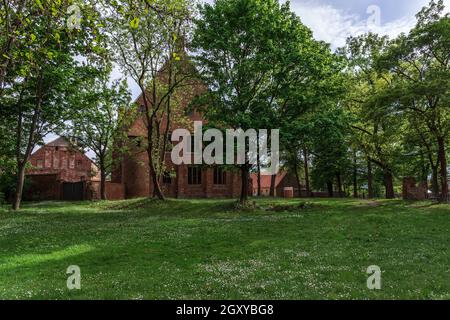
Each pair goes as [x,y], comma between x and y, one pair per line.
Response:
[206,249]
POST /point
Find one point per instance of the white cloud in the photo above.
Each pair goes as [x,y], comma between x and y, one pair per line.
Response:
[335,26]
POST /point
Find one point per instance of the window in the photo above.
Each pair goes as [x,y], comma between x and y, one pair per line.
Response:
[167,179]
[219,176]
[79,163]
[40,163]
[194,175]
[141,108]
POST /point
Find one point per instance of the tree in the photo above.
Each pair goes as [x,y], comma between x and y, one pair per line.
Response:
[148,38]
[375,127]
[329,148]
[99,121]
[12,17]
[419,64]
[256,57]
[41,72]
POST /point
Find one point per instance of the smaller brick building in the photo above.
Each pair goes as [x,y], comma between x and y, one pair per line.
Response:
[60,171]
[282,180]
[412,191]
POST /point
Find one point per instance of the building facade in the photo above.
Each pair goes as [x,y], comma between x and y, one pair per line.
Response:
[179,181]
[60,171]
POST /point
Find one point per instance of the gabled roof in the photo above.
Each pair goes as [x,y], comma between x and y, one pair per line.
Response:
[63,142]
[59,142]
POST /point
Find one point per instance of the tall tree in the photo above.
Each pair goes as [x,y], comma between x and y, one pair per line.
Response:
[256,57]
[375,128]
[330,150]
[41,71]
[419,63]
[148,38]
[99,120]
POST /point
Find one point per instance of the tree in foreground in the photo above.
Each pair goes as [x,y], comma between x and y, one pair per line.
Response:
[99,121]
[260,64]
[148,39]
[40,72]
[419,67]
[375,128]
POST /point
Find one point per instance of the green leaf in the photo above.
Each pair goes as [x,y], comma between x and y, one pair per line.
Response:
[39,3]
[134,23]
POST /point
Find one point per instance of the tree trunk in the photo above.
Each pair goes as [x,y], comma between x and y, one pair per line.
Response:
[389,184]
[307,187]
[258,167]
[370,194]
[21,165]
[435,181]
[272,185]
[330,189]
[355,176]
[154,181]
[443,170]
[19,186]
[339,185]
[102,182]
[244,188]
[297,177]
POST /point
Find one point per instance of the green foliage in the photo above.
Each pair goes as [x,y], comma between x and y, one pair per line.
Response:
[99,121]
[262,67]
[39,71]
[331,155]
[418,66]
[148,40]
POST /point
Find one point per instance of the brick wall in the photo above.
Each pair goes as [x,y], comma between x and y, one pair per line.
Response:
[134,172]
[55,164]
[114,191]
[70,165]
[44,187]
[411,191]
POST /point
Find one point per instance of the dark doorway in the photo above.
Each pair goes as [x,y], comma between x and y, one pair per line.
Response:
[72,191]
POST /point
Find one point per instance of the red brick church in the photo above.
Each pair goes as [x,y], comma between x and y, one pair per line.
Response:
[182,181]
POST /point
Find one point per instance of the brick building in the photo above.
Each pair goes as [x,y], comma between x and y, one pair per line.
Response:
[282,180]
[182,181]
[59,171]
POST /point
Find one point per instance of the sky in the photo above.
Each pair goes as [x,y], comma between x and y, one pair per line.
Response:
[333,21]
